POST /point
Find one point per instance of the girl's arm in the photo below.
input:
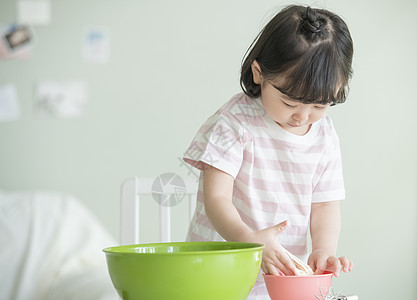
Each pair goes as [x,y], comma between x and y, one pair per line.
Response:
[218,191]
[324,229]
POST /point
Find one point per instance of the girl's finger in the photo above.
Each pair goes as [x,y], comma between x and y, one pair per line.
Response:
[270,269]
[321,266]
[286,266]
[336,265]
[280,273]
[351,265]
[312,264]
[345,262]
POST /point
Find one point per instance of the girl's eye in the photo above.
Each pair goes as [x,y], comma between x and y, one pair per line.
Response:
[320,107]
[289,105]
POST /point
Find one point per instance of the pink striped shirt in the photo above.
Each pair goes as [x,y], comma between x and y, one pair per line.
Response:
[278,175]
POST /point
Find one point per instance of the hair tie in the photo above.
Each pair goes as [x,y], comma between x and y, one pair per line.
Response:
[312,23]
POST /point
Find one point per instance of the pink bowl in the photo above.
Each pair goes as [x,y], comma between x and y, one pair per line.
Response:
[297,287]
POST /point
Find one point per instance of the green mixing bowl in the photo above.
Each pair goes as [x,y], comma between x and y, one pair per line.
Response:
[184,270]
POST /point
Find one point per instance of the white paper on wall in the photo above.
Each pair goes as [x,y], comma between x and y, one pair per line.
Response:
[96,45]
[60,99]
[9,104]
[35,12]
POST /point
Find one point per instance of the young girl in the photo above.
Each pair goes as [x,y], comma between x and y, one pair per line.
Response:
[270,158]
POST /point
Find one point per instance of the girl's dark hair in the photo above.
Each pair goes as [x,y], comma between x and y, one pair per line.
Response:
[311,48]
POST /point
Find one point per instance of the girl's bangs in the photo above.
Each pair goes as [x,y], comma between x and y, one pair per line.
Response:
[313,93]
[316,79]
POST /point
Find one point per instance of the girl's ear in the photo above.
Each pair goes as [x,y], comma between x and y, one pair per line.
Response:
[256,71]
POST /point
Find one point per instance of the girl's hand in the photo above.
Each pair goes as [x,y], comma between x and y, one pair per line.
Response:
[274,259]
[321,261]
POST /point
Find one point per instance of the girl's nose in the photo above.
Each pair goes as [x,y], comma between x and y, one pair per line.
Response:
[300,116]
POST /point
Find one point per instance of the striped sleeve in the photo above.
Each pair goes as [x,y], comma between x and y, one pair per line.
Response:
[218,143]
[330,185]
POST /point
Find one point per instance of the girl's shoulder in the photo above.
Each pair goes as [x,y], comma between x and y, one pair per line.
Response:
[327,125]
[328,131]
[239,115]
[236,104]
[241,108]
[327,122]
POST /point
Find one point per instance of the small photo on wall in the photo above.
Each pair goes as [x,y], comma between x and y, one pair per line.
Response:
[16,41]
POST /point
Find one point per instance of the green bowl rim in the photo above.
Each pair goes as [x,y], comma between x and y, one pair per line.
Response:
[252,247]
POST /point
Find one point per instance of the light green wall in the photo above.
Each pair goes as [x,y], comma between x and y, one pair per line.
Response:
[173,63]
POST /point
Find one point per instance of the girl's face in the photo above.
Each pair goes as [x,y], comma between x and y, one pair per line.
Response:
[292,115]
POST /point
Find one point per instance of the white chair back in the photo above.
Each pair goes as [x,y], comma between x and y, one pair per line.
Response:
[132,190]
